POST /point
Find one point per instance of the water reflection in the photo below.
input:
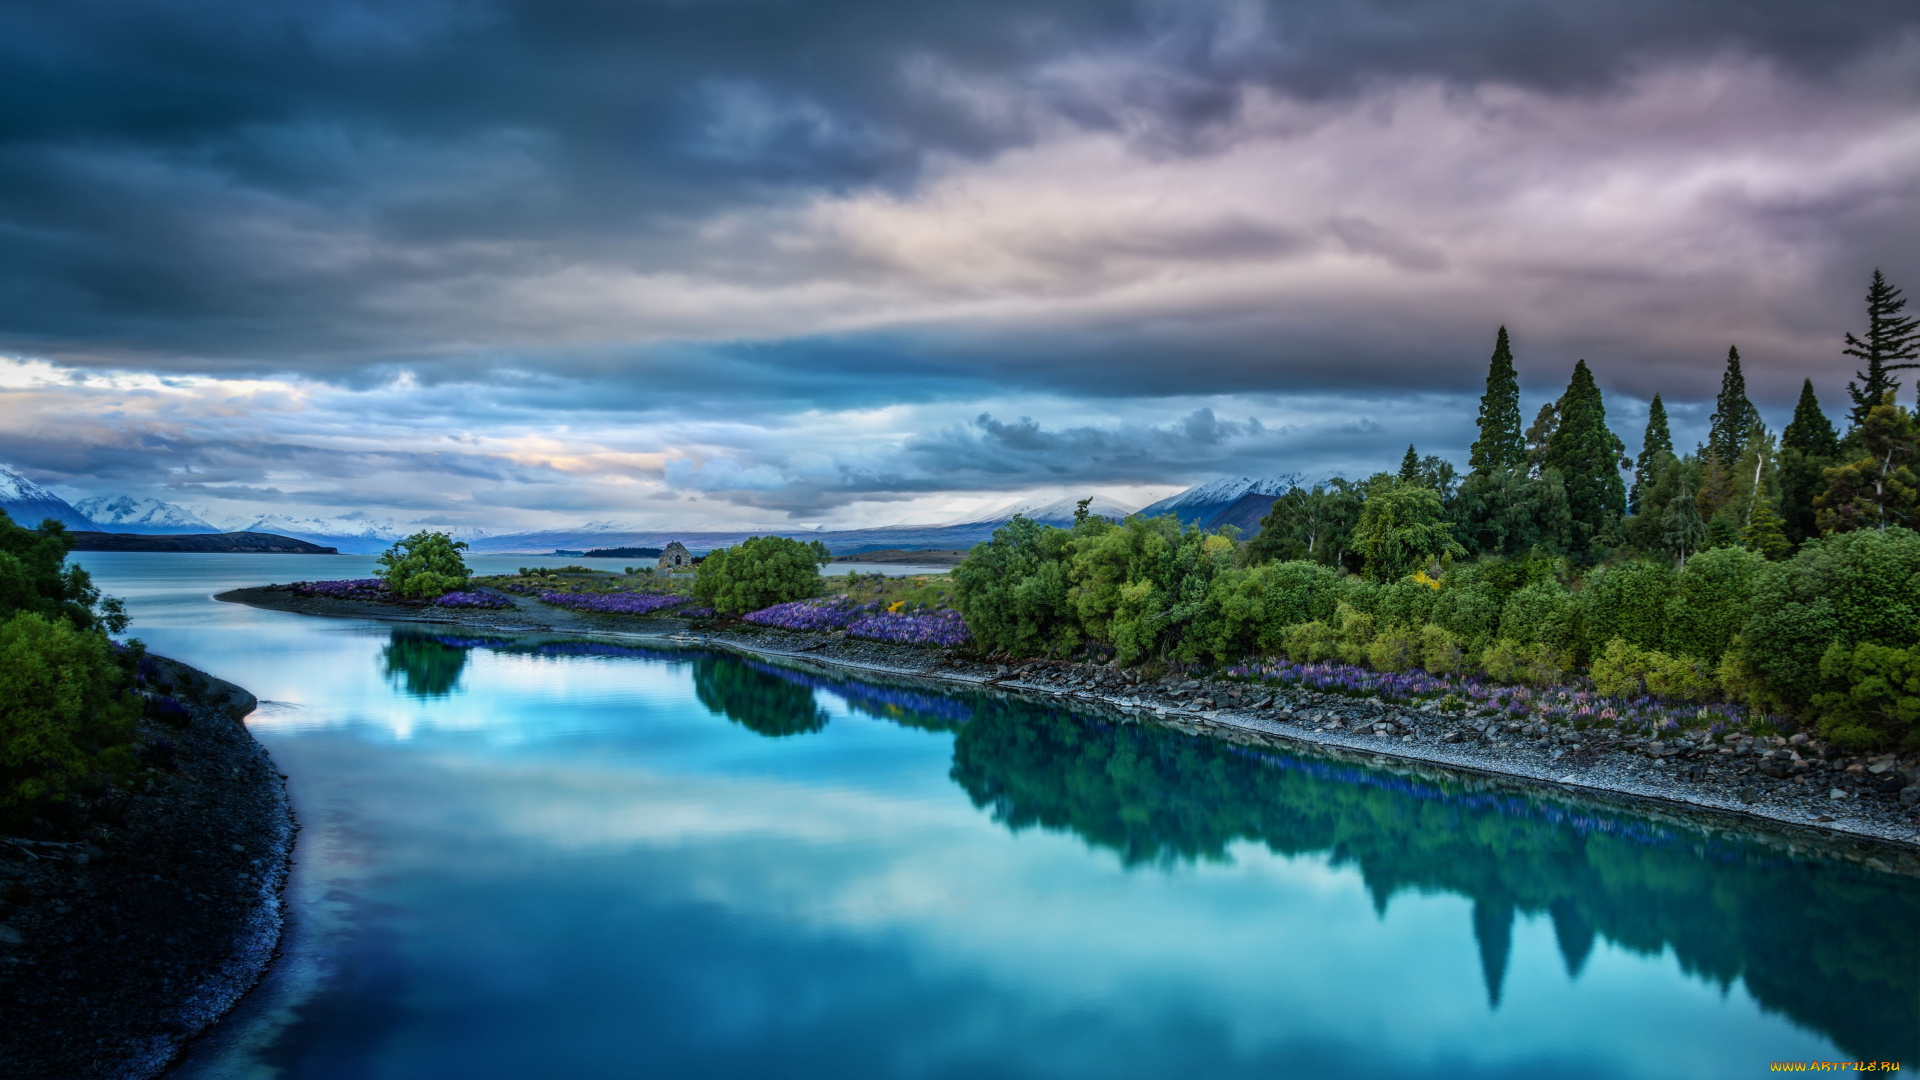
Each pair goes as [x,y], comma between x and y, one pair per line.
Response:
[1830,944]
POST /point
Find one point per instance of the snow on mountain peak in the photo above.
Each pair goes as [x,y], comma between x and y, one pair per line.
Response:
[1220,492]
[124,511]
[17,488]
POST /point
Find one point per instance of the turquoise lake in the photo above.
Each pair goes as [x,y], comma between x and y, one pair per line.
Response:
[548,857]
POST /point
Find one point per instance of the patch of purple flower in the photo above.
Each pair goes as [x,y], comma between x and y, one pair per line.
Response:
[614,603]
[697,612]
[350,589]
[944,628]
[472,600]
[834,614]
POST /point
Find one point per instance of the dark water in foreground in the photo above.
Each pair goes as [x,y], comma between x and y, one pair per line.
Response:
[533,858]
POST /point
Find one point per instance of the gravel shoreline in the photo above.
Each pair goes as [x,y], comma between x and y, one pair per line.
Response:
[119,946]
[1781,784]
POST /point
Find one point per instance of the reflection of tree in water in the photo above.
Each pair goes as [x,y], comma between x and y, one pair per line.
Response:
[423,665]
[756,699]
[1831,945]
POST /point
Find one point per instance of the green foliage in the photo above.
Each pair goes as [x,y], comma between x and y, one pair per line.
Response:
[1440,651]
[34,577]
[1395,649]
[1658,440]
[1508,512]
[759,572]
[1510,661]
[1544,614]
[1764,535]
[1878,487]
[424,565]
[1312,524]
[1733,415]
[1401,530]
[1808,447]
[1627,601]
[1873,695]
[1856,587]
[64,721]
[1501,445]
[1588,456]
[1891,338]
[1013,590]
[1626,670]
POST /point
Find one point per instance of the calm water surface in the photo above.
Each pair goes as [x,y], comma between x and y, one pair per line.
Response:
[548,858]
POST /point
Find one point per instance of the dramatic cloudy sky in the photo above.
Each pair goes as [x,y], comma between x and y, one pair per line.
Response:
[859,261]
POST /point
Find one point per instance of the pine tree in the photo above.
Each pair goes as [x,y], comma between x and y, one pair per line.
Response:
[1808,447]
[1658,440]
[1763,533]
[1733,414]
[1587,455]
[1410,466]
[1890,339]
[1879,488]
[1501,444]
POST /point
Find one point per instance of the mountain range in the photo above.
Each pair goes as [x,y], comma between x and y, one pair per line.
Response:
[1239,501]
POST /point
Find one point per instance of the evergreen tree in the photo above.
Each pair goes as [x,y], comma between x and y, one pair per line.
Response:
[1763,533]
[1808,447]
[1733,414]
[1545,423]
[1890,338]
[1410,466]
[1879,488]
[1684,530]
[1658,440]
[1501,444]
[1587,455]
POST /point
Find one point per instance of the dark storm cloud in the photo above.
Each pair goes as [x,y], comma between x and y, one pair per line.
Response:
[333,186]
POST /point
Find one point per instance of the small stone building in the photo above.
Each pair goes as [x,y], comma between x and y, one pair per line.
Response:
[676,557]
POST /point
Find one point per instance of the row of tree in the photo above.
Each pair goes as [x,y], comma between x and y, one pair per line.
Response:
[1557,486]
[1778,572]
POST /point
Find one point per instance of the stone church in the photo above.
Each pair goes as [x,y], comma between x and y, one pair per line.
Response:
[676,557]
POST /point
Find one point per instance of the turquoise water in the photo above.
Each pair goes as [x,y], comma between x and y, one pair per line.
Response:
[547,858]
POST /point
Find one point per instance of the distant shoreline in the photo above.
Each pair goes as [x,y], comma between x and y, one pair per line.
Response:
[238,543]
[1639,772]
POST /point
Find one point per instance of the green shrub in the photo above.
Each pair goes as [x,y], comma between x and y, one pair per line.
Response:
[34,577]
[1628,601]
[760,572]
[1402,529]
[1541,614]
[1013,590]
[1353,634]
[1394,649]
[1623,669]
[1855,587]
[1509,661]
[1440,651]
[424,565]
[65,720]
[1711,602]
[1312,642]
[1873,697]
[1406,602]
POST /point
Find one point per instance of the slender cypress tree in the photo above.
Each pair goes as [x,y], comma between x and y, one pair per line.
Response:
[1501,444]
[1733,414]
[1658,440]
[1890,339]
[1587,455]
[1808,447]
[1410,466]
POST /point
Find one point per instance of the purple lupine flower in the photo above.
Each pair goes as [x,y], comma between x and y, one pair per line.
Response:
[620,603]
[460,599]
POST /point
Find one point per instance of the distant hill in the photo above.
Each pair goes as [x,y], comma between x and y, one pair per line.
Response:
[125,514]
[1203,503]
[241,543]
[28,504]
[1244,513]
[358,536]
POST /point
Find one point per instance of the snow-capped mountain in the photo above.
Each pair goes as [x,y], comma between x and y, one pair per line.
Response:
[1055,511]
[1202,503]
[353,536]
[28,504]
[126,514]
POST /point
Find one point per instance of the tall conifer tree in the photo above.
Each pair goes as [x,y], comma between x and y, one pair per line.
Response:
[1501,444]
[1890,339]
[1733,414]
[1587,456]
[1658,440]
[1808,447]
[1410,466]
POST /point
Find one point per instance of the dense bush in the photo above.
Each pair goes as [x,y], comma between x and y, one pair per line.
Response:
[34,577]
[64,718]
[760,572]
[424,566]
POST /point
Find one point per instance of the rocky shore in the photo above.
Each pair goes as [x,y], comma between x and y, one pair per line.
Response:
[1796,781]
[119,944]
